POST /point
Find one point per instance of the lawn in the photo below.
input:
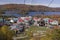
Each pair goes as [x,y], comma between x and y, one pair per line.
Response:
[32,30]
[35,28]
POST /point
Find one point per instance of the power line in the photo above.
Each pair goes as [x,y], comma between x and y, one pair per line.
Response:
[50,2]
[48,5]
[27,0]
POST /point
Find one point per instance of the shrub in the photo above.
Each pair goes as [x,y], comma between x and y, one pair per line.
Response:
[56,34]
[53,34]
[6,33]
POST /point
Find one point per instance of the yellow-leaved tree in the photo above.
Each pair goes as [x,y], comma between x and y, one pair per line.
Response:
[6,33]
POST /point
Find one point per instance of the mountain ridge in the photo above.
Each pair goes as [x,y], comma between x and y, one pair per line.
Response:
[28,7]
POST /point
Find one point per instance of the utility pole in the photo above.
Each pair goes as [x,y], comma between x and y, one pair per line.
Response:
[24,2]
[24,9]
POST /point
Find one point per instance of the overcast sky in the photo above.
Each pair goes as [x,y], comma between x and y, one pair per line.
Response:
[56,3]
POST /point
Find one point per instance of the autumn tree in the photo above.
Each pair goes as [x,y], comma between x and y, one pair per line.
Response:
[6,33]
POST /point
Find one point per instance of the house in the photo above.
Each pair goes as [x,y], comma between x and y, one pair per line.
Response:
[55,22]
[49,21]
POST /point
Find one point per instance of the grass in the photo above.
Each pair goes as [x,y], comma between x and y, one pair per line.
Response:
[33,29]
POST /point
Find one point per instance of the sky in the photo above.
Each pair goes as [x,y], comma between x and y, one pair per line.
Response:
[55,3]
